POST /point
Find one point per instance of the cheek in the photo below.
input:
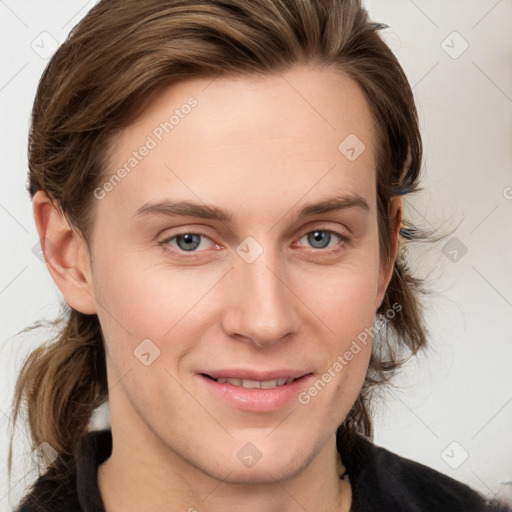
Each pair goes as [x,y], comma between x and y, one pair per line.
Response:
[128,302]
[343,297]
[137,301]
[344,302]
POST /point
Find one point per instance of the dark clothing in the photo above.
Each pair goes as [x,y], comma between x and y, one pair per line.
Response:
[381,482]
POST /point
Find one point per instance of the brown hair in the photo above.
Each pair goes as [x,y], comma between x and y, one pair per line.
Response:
[120,55]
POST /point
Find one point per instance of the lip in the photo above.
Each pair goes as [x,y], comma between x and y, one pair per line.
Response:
[256,399]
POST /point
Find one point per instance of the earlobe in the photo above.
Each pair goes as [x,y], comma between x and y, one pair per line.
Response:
[66,254]
[386,272]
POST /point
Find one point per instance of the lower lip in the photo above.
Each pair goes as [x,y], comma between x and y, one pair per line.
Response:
[256,399]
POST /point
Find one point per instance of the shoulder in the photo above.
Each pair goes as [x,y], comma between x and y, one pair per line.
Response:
[383,480]
[72,487]
[54,491]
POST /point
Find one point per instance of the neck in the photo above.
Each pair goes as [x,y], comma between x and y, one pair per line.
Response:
[142,474]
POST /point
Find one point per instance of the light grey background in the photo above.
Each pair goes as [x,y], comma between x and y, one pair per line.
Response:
[453,408]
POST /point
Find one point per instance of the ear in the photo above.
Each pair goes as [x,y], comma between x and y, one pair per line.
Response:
[66,254]
[387,267]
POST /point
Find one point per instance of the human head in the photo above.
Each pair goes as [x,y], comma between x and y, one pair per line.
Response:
[148,46]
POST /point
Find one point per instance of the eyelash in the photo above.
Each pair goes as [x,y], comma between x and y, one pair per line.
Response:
[165,243]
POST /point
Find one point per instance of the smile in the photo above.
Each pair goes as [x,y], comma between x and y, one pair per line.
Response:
[253,384]
[260,393]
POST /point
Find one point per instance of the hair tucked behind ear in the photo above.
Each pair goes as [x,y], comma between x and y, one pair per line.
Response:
[114,60]
[62,382]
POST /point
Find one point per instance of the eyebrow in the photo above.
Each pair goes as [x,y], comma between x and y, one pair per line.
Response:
[191,209]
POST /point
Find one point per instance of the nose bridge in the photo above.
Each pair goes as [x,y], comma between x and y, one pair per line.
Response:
[262,306]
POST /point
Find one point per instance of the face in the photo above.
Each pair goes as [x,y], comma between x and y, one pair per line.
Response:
[274,289]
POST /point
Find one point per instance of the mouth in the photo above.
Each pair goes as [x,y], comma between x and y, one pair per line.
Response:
[255,391]
[255,384]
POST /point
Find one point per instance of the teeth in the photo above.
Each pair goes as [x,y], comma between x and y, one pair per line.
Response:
[252,384]
[236,382]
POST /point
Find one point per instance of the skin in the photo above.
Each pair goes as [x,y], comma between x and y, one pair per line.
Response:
[260,150]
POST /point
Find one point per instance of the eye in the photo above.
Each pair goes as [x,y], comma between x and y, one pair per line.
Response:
[191,242]
[321,238]
[185,242]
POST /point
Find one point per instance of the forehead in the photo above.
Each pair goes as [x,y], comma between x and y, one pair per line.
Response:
[243,140]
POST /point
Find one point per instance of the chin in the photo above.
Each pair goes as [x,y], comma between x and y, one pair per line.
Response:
[273,460]
[263,472]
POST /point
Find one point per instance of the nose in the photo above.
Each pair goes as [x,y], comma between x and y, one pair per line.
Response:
[262,309]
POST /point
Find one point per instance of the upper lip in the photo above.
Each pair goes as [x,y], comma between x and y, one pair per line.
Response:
[251,374]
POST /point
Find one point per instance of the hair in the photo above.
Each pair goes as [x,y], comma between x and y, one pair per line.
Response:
[119,56]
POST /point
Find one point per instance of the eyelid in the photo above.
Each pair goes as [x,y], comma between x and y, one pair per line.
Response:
[342,233]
